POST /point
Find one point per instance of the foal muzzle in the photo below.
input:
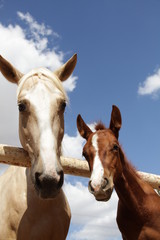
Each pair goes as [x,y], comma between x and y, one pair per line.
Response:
[102,192]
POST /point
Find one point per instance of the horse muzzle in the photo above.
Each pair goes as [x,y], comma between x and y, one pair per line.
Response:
[48,187]
[101,193]
[103,196]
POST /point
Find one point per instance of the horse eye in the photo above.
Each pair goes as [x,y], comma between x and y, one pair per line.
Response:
[63,106]
[22,107]
[115,147]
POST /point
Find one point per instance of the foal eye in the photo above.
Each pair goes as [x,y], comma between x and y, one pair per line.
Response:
[115,147]
[22,107]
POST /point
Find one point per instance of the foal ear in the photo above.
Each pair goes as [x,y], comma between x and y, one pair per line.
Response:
[83,129]
[66,70]
[116,121]
[9,72]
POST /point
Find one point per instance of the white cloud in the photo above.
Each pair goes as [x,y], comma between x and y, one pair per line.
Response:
[34,26]
[95,220]
[69,85]
[72,146]
[37,32]
[151,86]
[29,49]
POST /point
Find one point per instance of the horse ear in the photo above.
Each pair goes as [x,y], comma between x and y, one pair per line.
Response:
[9,72]
[83,129]
[66,70]
[116,121]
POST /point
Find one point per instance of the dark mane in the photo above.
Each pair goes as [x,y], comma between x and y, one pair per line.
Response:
[100,126]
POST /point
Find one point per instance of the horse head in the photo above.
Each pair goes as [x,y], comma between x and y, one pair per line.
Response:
[102,153]
[41,102]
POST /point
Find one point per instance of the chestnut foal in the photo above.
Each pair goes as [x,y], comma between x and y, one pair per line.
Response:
[138,214]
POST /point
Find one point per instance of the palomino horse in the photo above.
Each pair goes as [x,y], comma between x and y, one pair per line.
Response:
[33,205]
[138,214]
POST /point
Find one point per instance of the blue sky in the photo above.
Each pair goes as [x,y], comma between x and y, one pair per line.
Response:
[118,47]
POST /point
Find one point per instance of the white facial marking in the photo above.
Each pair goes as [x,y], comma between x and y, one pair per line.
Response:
[98,171]
[41,101]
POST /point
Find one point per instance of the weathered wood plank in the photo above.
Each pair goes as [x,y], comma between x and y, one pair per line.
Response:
[19,157]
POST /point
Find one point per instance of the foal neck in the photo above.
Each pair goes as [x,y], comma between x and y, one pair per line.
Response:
[129,185]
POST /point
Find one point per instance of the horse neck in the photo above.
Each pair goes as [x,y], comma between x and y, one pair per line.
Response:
[128,184]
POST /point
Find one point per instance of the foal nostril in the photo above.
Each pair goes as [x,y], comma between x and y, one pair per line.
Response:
[105,183]
[91,189]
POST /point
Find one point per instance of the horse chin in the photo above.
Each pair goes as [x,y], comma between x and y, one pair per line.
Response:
[102,199]
[45,195]
[104,196]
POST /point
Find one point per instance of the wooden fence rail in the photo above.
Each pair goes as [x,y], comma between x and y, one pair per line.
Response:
[19,157]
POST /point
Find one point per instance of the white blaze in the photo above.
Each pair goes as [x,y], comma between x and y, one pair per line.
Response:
[41,101]
[98,171]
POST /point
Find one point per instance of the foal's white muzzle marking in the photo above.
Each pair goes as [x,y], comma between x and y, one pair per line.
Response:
[98,171]
[99,186]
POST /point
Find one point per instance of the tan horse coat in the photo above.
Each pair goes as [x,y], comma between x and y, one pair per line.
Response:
[29,207]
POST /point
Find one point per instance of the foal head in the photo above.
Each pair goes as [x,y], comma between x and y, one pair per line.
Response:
[41,101]
[102,153]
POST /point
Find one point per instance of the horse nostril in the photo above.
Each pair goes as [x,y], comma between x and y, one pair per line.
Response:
[91,189]
[61,180]
[105,183]
[37,179]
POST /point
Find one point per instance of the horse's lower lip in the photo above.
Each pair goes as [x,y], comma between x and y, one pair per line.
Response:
[103,196]
[103,199]
[45,195]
